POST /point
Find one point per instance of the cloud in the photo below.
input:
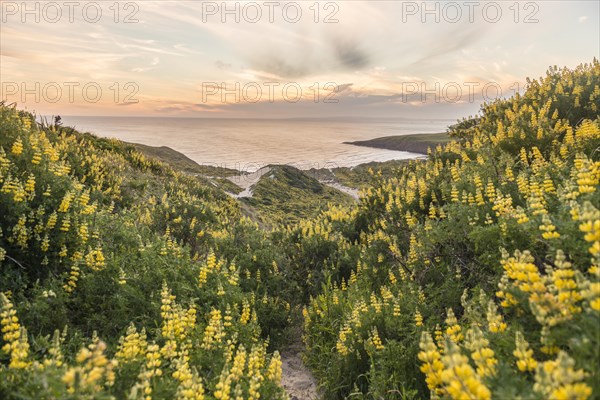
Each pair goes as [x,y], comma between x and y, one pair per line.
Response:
[153,63]
[299,59]
[186,108]
[453,41]
[369,53]
[345,87]
[222,66]
[349,54]
[277,66]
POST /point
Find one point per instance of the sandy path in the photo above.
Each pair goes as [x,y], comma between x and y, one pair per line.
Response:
[247,182]
[297,379]
[342,188]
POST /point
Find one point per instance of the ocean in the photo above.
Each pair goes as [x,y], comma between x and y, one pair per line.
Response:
[250,144]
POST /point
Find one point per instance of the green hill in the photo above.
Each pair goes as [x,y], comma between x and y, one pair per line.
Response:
[286,195]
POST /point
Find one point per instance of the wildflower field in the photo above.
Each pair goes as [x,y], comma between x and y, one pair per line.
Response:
[471,274]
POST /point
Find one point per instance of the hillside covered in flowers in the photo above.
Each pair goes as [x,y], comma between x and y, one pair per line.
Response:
[472,274]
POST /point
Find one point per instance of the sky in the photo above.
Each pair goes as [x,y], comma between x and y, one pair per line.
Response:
[284,59]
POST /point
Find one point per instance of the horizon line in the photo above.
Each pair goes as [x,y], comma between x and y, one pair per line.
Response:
[246,118]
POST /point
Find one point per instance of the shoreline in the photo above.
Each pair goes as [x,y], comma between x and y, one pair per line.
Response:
[185,163]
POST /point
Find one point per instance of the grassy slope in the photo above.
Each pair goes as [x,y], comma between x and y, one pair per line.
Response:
[182,162]
[129,238]
[185,164]
[417,143]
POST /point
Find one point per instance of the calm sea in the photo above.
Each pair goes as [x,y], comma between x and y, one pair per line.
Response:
[249,144]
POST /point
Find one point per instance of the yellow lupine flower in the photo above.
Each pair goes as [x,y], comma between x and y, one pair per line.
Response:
[495,321]
[418,319]
[374,340]
[559,378]
[453,329]
[14,336]
[94,371]
[30,184]
[65,204]
[524,355]
[214,331]
[590,217]
[72,281]
[432,365]
[17,147]
[95,259]
[481,353]
[132,346]
[274,371]
[548,229]
[459,379]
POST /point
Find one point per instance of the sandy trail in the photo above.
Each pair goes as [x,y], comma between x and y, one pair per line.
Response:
[247,182]
[297,380]
[342,188]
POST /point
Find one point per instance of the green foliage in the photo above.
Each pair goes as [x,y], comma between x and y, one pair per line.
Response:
[469,274]
[523,175]
[93,234]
